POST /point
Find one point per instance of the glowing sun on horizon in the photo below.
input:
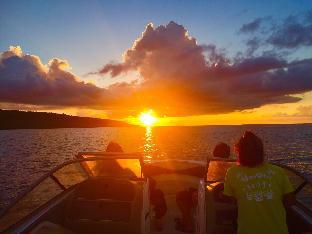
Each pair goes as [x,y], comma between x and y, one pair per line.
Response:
[147,118]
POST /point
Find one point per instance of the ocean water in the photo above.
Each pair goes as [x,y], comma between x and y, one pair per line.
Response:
[25,155]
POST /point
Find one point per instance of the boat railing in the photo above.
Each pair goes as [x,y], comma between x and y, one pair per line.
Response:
[306,179]
[301,182]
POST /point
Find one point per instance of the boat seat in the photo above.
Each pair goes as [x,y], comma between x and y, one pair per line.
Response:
[105,226]
[101,209]
[105,205]
[220,216]
[106,188]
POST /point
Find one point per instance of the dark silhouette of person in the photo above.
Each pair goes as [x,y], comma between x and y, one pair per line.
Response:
[217,169]
[157,198]
[187,199]
[158,202]
[111,167]
[221,150]
[114,147]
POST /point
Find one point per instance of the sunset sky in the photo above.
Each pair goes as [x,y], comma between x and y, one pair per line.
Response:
[191,62]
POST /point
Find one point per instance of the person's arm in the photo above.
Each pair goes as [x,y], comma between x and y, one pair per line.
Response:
[289,200]
[228,194]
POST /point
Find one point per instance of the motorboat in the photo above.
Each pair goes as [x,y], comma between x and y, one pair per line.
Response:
[99,192]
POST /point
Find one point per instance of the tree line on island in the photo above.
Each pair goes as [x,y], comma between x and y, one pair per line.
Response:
[15,119]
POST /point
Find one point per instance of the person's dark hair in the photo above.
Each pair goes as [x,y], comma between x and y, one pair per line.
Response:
[114,147]
[250,150]
[221,150]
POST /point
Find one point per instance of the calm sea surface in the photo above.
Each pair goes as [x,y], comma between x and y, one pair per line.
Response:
[26,154]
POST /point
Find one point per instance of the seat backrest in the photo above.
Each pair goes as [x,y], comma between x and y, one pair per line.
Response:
[107,188]
[102,205]
[99,210]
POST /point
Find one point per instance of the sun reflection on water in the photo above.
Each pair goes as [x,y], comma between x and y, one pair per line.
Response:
[149,148]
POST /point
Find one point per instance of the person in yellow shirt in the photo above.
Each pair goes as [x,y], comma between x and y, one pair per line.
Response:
[261,190]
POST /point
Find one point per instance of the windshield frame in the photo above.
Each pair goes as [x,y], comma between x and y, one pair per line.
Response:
[100,156]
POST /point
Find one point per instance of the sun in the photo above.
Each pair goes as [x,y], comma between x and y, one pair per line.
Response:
[147,118]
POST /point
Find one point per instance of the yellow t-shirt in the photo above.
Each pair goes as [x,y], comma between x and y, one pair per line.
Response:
[259,193]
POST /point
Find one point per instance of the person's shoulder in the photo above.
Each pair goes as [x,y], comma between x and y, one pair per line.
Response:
[233,169]
[275,168]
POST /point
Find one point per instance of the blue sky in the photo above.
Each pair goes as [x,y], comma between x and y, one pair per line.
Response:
[91,33]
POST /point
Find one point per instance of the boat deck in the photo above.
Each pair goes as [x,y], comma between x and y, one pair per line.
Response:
[171,185]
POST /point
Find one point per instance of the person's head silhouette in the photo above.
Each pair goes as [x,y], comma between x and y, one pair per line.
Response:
[114,147]
[250,150]
[221,150]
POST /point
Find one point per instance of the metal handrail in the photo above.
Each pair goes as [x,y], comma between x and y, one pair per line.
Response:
[304,177]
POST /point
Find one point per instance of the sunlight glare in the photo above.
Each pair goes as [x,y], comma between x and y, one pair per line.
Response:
[147,118]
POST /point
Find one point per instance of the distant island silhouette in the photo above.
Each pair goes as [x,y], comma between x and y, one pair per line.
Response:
[15,119]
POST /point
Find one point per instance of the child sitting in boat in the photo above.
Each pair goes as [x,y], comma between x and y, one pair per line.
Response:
[187,199]
[218,166]
[260,189]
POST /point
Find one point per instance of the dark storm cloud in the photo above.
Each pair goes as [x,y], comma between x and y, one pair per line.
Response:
[252,26]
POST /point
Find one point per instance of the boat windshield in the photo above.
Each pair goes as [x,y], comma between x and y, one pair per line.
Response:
[112,166]
[44,190]
[62,178]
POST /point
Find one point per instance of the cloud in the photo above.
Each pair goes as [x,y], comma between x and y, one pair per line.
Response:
[252,45]
[304,111]
[24,79]
[301,111]
[158,47]
[177,77]
[292,33]
[251,26]
[181,77]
